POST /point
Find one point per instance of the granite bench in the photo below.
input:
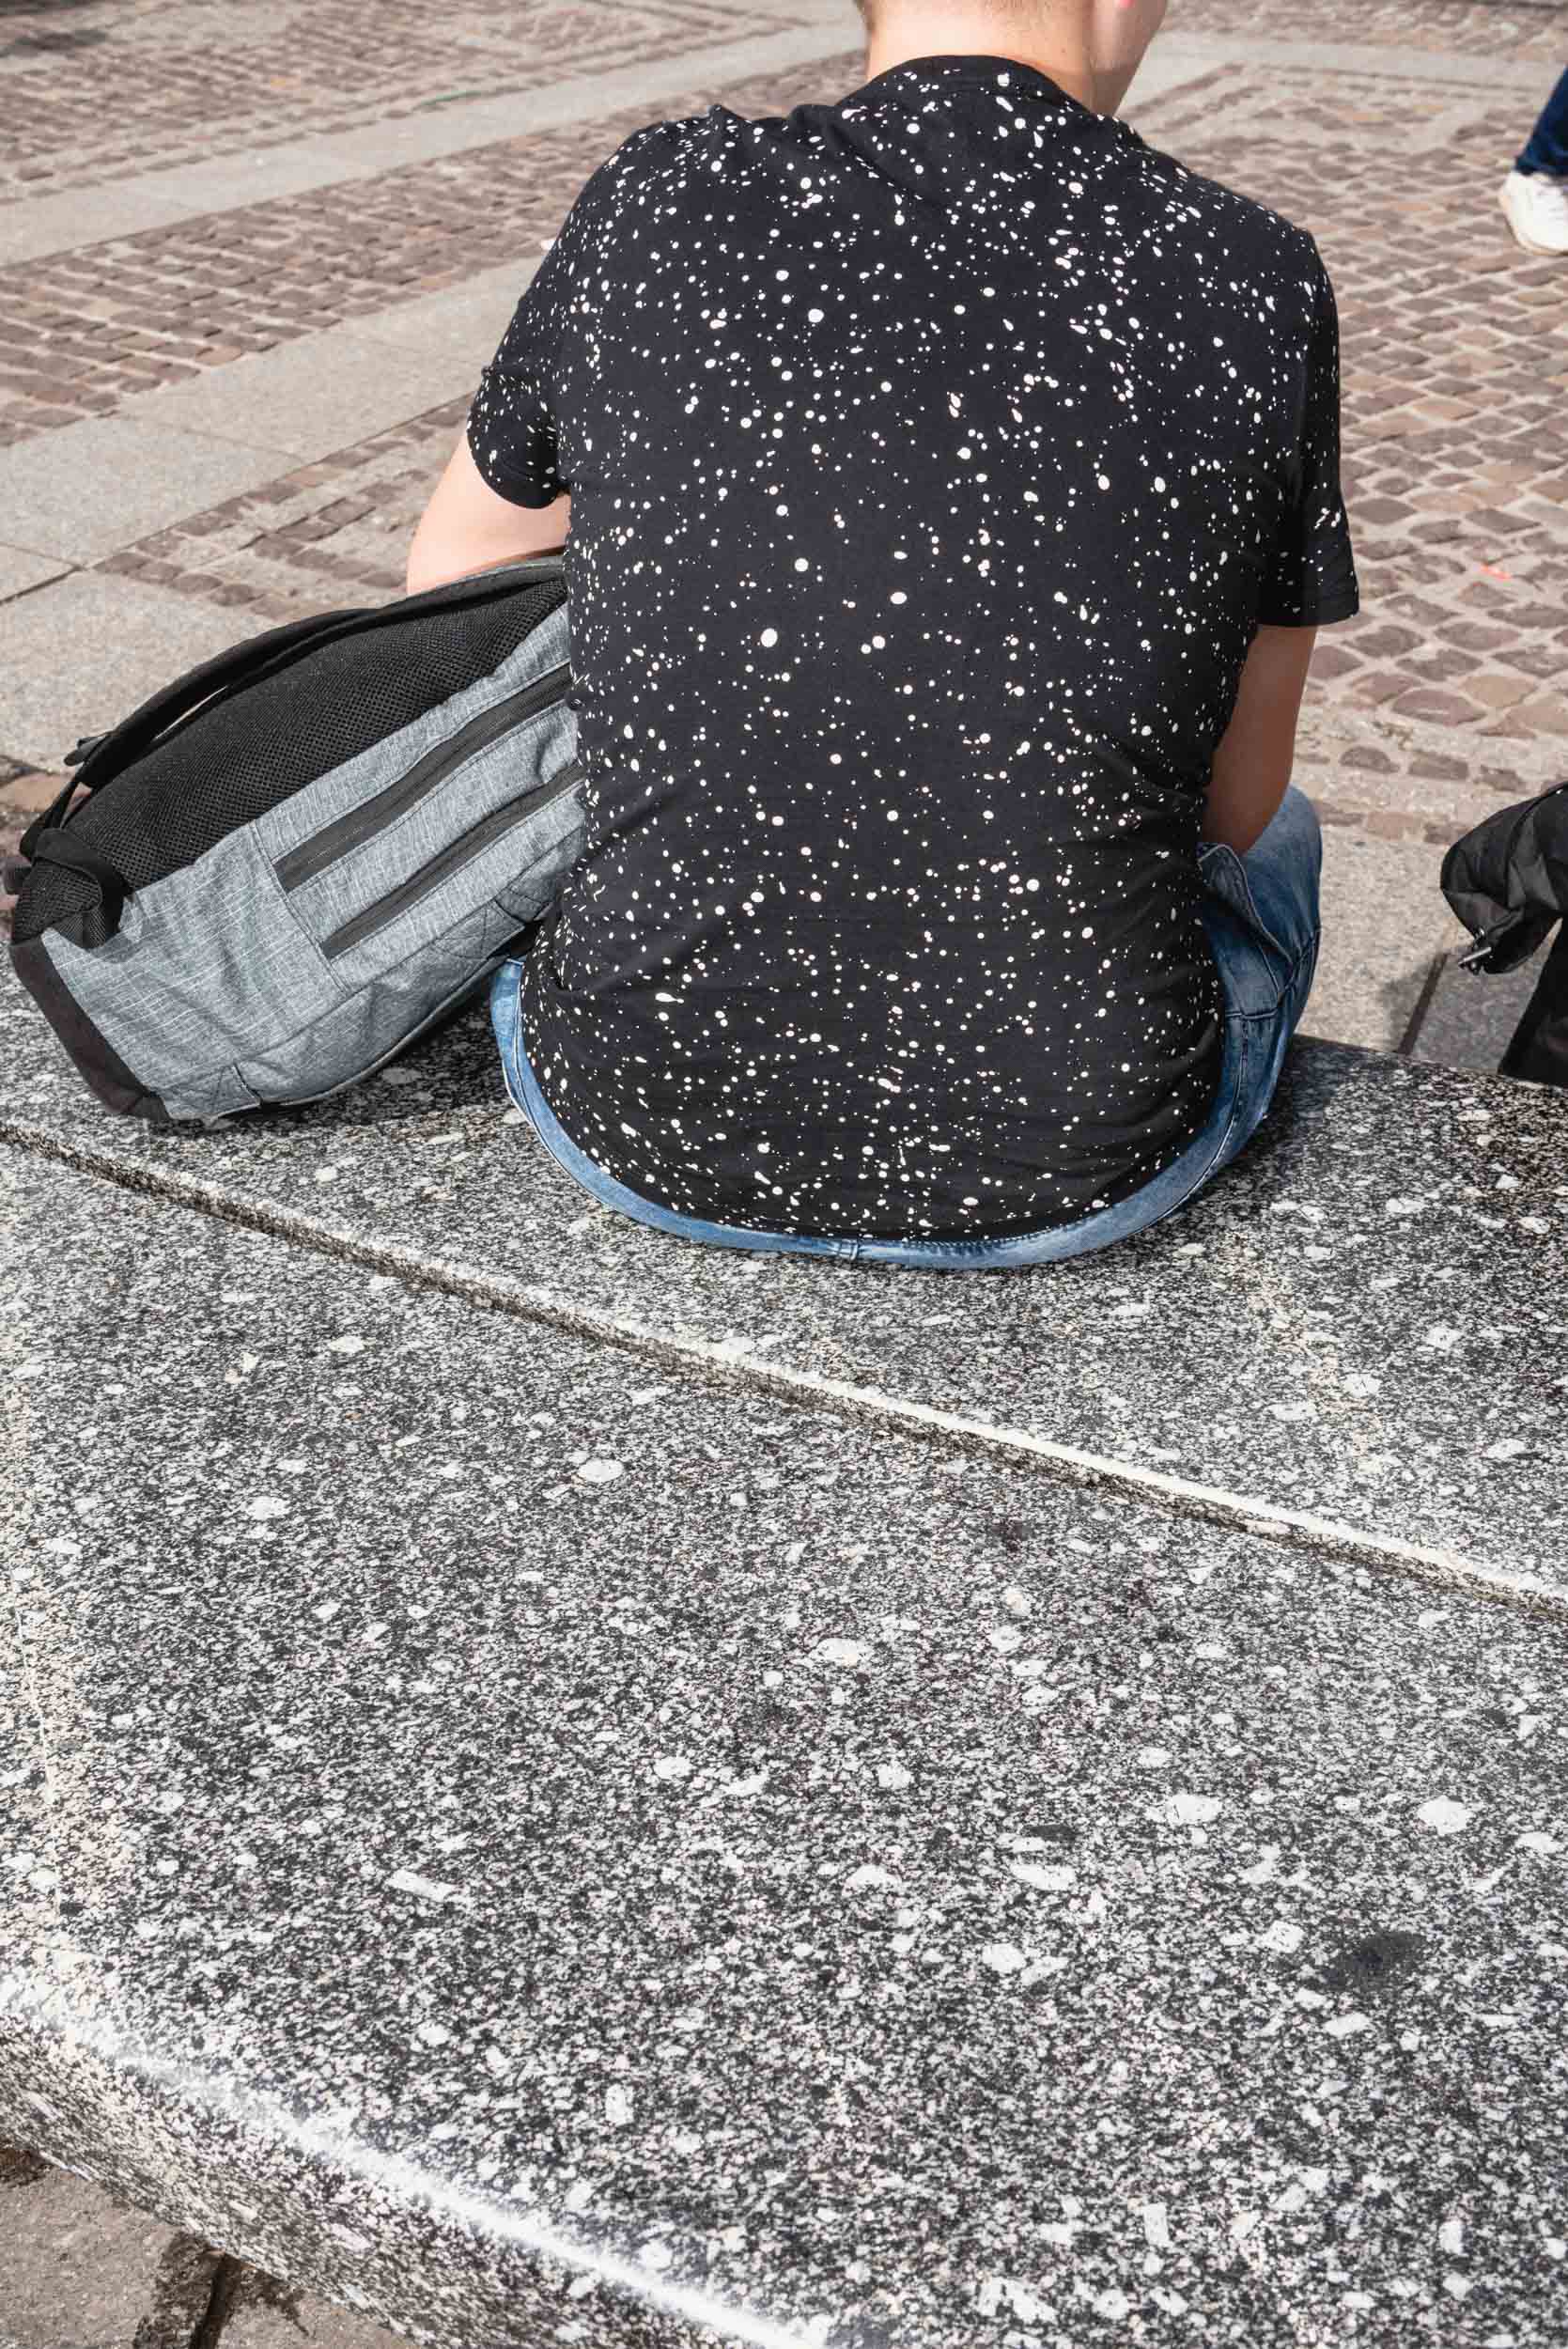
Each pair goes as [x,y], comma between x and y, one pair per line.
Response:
[560,1787]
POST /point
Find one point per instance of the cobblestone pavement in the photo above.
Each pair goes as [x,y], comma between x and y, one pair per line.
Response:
[1382,125]
[80,334]
[1524,29]
[102,89]
[1383,128]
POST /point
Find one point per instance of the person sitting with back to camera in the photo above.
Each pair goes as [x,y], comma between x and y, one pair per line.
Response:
[954,494]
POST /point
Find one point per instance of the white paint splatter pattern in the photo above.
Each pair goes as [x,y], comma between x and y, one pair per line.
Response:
[933,456]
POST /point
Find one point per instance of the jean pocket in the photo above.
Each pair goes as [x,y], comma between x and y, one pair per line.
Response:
[1223,872]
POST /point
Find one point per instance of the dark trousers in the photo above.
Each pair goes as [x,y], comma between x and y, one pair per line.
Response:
[1547,150]
[1539,1049]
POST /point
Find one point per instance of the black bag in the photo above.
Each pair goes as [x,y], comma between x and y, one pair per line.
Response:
[1508,882]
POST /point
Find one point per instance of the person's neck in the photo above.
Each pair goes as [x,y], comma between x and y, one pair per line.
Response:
[957,32]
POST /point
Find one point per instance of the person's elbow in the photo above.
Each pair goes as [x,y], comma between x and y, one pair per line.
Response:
[468,527]
[433,562]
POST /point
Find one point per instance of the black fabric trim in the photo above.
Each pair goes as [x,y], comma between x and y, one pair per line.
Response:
[53,816]
[514,487]
[95,1057]
[57,847]
[1321,614]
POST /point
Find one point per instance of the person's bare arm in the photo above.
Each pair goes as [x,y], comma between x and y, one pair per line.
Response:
[1251,767]
[466,527]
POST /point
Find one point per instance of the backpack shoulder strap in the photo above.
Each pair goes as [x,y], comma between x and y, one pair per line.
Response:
[99,757]
[125,741]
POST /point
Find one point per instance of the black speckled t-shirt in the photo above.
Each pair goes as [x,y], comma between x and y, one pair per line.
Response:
[933,457]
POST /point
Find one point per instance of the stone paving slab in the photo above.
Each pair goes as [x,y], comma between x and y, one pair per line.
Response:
[81,493]
[79,2270]
[1385,924]
[554,1853]
[1470,1018]
[139,90]
[1482,29]
[80,653]
[28,1878]
[1358,1324]
[459,324]
[1412,59]
[300,2321]
[19,571]
[297,399]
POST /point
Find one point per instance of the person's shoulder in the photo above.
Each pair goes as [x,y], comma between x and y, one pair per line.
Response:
[674,143]
[684,146]
[1250,231]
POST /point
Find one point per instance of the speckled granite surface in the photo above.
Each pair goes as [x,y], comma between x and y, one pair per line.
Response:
[27,1883]
[548,1854]
[1363,1321]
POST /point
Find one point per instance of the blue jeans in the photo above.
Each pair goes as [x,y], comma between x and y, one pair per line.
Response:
[1547,148]
[1261,912]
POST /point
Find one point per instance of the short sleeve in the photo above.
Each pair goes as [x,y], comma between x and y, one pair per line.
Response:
[514,424]
[1311,579]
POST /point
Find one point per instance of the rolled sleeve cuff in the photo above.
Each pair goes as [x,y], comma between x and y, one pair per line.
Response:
[511,438]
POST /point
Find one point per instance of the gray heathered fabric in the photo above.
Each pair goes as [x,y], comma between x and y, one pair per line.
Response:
[215,993]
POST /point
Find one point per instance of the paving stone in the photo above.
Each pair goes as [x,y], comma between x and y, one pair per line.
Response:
[19,571]
[1446,303]
[28,790]
[81,653]
[1496,689]
[1384,921]
[79,493]
[80,2270]
[268,2315]
[296,400]
[548,1847]
[1469,1018]
[202,295]
[1549,715]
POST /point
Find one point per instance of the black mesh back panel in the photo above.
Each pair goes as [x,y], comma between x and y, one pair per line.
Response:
[230,764]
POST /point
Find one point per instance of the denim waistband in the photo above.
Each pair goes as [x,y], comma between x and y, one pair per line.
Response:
[1257,973]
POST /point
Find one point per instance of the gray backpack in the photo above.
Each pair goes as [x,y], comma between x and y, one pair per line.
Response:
[298,857]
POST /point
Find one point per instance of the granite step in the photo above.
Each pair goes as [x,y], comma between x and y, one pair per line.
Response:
[1352,1337]
[530,1845]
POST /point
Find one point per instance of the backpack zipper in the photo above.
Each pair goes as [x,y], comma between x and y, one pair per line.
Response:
[361,824]
[451,860]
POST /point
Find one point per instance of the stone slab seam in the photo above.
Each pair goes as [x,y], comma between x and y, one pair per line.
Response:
[868,1407]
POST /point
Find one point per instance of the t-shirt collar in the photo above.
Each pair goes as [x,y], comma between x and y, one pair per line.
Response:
[1006,74]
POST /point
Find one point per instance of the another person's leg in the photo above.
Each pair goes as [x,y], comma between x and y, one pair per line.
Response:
[1535,192]
[1548,147]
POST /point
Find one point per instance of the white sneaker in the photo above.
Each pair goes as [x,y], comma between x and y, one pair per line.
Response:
[1536,206]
